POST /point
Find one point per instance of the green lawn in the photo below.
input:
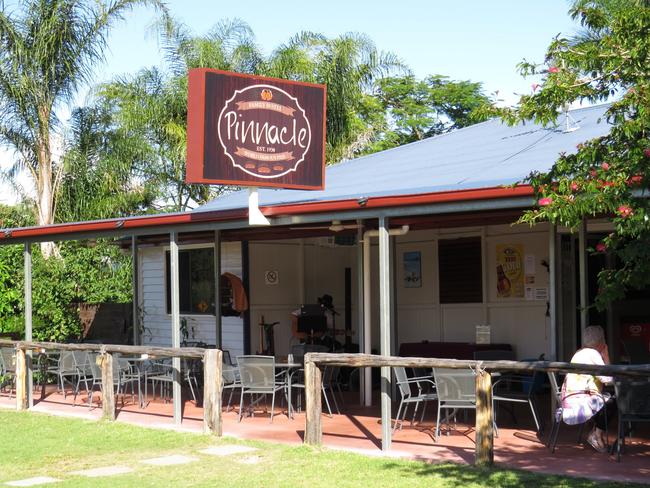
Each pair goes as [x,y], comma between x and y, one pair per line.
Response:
[39,445]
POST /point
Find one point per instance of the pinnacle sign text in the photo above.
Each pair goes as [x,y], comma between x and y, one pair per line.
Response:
[254,131]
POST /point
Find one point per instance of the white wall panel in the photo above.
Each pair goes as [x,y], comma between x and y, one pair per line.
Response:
[417,323]
[460,321]
[525,327]
[157,321]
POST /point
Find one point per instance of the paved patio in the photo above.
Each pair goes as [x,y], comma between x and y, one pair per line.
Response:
[358,429]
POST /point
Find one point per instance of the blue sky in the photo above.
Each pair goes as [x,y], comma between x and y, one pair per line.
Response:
[473,40]
[466,39]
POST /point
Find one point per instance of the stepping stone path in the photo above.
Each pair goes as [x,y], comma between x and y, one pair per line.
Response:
[105,471]
[227,450]
[172,460]
[38,480]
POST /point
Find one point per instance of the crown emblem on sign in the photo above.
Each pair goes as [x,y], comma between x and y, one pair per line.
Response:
[266,95]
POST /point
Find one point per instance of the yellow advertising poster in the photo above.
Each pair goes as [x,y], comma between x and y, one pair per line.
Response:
[510,272]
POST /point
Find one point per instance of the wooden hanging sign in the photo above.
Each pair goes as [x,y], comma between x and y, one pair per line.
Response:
[255,131]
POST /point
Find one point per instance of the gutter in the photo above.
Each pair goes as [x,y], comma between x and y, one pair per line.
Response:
[186,218]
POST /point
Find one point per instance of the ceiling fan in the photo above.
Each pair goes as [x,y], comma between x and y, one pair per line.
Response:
[336,226]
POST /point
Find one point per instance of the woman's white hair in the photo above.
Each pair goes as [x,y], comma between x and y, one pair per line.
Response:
[594,335]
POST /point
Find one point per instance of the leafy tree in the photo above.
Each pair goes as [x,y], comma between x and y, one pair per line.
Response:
[47,51]
[417,109]
[349,65]
[152,105]
[103,175]
[609,175]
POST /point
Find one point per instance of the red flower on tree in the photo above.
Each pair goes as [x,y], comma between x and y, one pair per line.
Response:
[605,166]
[625,211]
[543,202]
[601,247]
[553,69]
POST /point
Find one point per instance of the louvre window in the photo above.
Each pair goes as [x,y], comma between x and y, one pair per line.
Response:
[460,270]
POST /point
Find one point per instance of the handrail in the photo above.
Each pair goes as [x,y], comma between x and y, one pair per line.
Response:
[376,361]
[484,453]
[212,367]
[182,352]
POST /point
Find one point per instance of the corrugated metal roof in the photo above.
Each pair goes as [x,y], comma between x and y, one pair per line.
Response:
[485,155]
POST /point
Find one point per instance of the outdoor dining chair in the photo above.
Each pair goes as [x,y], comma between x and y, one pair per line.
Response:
[633,401]
[231,381]
[456,390]
[189,374]
[69,372]
[121,377]
[517,388]
[160,374]
[556,392]
[425,393]
[7,369]
[258,379]
[330,378]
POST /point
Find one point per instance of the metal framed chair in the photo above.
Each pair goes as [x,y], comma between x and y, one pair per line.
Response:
[68,371]
[330,378]
[231,381]
[190,376]
[633,401]
[121,377]
[517,388]
[408,397]
[7,369]
[258,379]
[160,374]
[556,393]
[456,390]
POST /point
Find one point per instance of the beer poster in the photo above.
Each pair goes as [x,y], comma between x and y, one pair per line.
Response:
[510,272]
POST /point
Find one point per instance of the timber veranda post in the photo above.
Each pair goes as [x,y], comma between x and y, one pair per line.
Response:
[108,392]
[313,387]
[212,391]
[22,387]
[484,454]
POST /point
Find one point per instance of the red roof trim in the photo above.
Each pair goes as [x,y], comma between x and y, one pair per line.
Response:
[146,221]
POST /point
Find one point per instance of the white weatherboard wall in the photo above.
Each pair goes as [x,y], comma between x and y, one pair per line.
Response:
[420,316]
[157,321]
[520,322]
[324,272]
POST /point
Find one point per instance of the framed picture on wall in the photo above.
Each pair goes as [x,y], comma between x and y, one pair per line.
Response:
[412,269]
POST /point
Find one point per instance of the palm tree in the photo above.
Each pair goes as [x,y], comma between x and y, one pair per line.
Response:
[103,169]
[349,65]
[152,104]
[47,51]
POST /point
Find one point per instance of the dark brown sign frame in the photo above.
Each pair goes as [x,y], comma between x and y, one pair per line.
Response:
[251,130]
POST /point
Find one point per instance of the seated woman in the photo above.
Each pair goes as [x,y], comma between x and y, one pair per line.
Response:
[582,396]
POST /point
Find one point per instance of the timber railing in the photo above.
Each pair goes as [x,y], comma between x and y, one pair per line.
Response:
[212,367]
[484,452]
